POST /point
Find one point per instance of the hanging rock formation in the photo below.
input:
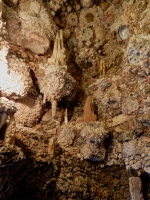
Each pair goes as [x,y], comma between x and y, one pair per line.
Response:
[57,82]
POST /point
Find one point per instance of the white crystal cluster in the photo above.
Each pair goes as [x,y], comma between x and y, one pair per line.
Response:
[16,79]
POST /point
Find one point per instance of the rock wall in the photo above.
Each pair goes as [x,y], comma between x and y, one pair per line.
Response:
[63,177]
[96,143]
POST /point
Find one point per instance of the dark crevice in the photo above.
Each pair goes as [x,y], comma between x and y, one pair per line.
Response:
[145,185]
[5,187]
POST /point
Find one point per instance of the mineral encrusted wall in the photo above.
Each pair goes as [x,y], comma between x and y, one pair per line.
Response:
[76,74]
[61,178]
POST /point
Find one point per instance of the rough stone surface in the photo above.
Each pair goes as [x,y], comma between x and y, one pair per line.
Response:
[135,188]
[31,26]
[29,111]
[103,53]
[16,81]
[86,141]
[57,84]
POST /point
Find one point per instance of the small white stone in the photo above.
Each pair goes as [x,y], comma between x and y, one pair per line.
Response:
[123,32]
[142,155]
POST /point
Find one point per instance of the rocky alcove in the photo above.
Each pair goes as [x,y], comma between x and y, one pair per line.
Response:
[74,100]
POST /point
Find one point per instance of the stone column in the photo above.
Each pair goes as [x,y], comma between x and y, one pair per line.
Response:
[135,188]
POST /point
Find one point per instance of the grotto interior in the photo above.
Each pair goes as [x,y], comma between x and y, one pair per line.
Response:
[89,137]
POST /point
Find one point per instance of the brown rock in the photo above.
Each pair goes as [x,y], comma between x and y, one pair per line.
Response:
[51,147]
[28,112]
[135,188]
[89,114]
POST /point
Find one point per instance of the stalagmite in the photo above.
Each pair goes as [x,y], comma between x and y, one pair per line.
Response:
[88,114]
[66,116]
[51,147]
[54,106]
